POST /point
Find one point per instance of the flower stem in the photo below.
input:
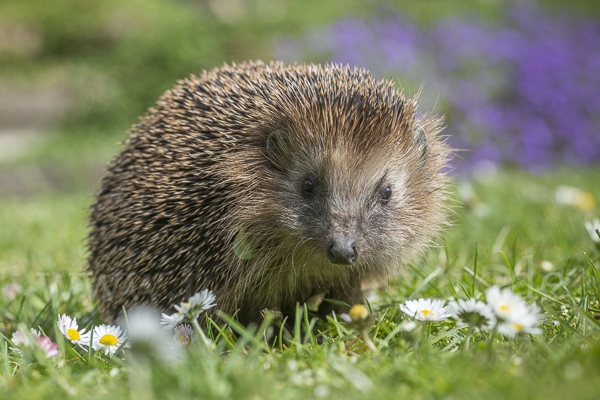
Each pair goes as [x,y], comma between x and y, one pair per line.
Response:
[140,382]
[207,343]
[468,339]
[364,334]
[490,346]
[428,324]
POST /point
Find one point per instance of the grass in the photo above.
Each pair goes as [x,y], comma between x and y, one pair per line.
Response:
[41,248]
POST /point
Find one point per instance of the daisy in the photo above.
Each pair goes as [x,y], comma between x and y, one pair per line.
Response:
[426,309]
[505,304]
[591,228]
[515,315]
[171,321]
[572,196]
[408,326]
[146,336]
[187,312]
[183,336]
[358,318]
[474,312]
[108,338]
[11,290]
[523,322]
[70,330]
[20,340]
[357,313]
[49,348]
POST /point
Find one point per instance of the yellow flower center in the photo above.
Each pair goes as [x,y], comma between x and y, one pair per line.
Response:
[504,308]
[426,313]
[73,334]
[585,201]
[109,340]
[358,312]
[186,304]
[517,327]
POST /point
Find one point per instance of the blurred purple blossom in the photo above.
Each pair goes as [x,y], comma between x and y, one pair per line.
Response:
[525,91]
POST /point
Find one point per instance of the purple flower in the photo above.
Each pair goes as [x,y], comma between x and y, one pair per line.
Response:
[524,91]
[40,341]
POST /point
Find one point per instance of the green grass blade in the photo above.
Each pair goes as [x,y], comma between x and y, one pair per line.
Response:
[512,272]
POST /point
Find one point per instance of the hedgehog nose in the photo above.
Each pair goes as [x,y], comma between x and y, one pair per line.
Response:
[342,250]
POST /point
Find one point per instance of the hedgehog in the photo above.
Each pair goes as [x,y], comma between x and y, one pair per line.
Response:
[268,184]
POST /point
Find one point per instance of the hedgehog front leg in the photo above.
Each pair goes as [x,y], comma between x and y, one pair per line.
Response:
[350,294]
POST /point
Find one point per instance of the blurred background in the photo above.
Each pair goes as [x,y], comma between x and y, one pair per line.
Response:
[518,81]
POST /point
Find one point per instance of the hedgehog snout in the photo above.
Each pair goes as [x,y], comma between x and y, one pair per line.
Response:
[342,250]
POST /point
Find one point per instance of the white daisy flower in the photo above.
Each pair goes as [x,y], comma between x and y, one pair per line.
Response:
[408,326]
[523,322]
[190,310]
[146,336]
[198,303]
[11,290]
[49,348]
[70,330]
[171,321]
[572,196]
[515,315]
[473,312]
[183,337]
[108,338]
[591,228]
[426,309]
[357,313]
[505,304]
[20,340]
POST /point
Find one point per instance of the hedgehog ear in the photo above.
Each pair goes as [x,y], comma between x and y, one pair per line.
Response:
[421,144]
[277,147]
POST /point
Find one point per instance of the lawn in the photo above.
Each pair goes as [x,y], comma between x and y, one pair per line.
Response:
[509,213]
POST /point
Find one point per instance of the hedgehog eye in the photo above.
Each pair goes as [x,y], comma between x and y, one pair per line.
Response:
[308,186]
[386,194]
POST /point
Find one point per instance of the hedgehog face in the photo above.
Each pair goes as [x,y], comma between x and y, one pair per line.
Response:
[344,202]
[336,171]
